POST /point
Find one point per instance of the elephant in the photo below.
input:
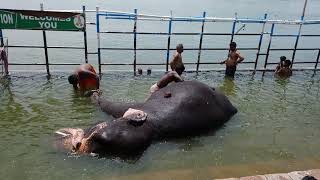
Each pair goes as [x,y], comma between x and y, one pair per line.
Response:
[178,110]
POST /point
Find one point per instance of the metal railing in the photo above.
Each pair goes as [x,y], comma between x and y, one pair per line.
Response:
[204,20]
[263,21]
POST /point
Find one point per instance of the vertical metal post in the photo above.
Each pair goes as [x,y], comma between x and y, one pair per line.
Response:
[200,43]
[269,46]
[316,66]
[45,46]
[299,32]
[85,34]
[98,38]
[135,42]
[6,63]
[233,27]
[169,39]
[260,42]
[1,38]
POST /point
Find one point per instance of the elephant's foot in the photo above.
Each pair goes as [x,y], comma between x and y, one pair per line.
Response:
[135,116]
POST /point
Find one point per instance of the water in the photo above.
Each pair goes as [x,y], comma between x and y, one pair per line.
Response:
[276,129]
[283,9]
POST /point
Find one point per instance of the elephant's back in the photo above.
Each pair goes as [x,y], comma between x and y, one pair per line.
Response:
[193,106]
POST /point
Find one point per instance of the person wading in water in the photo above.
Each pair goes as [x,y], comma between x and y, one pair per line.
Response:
[234,58]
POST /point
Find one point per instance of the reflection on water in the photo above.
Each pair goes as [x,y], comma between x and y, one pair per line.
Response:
[228,86]
[276,129]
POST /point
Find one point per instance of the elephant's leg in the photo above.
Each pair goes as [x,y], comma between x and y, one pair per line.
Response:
[115,109]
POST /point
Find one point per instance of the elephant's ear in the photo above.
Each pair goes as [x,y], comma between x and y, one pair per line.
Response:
[135,117]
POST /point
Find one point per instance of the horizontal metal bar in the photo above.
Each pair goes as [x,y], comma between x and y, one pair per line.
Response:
[228,34]
[181,33]
[292,49]
[299,62]
[186,49]
[186,63]
[42,64]
[200,19]
[284,35]
[304,62]
[310,35]
[49,47]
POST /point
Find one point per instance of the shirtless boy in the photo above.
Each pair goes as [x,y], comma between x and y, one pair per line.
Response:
[176,63]
[234,58]
[285,71]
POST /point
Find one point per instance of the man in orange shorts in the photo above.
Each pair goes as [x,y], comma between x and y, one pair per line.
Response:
[84,78]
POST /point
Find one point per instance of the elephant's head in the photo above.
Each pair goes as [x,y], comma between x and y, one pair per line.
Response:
[128,134]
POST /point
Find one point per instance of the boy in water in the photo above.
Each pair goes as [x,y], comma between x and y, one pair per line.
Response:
[176,63]
[234,58]
[281,63]
[286,70]
[84,78]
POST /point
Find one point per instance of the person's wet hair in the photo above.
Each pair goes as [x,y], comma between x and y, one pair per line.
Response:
[179,47]
[233,44]
[73,79]
[309,178]
[287,63]
[283,58]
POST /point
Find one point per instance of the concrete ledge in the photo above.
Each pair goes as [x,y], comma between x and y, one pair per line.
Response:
[295,175]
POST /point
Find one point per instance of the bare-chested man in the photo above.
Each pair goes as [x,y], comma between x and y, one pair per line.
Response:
[84,78]
[234,58]
[176,63]
[285,71]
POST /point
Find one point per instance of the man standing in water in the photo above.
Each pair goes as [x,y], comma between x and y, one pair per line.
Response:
[176,63]
[84,78]
[234,58]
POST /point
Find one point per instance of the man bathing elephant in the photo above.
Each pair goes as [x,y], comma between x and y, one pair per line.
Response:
[177,110]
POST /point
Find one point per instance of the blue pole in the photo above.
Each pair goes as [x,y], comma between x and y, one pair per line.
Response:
[269,46]
[317,62]
[1,38]
[135,41]
[297,41]
[299,32]
[98,37]
[200,43]
[169,39]
[233,29]
[85,34]
[260,42]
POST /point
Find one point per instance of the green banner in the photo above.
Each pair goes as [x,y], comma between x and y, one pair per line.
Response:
[41,20]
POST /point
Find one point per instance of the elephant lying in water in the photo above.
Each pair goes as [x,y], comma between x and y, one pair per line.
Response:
[180,109]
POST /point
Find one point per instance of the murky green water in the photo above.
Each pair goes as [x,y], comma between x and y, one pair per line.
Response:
[276,129]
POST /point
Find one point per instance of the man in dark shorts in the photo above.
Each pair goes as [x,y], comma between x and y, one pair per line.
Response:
[234,58]
[176,63]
